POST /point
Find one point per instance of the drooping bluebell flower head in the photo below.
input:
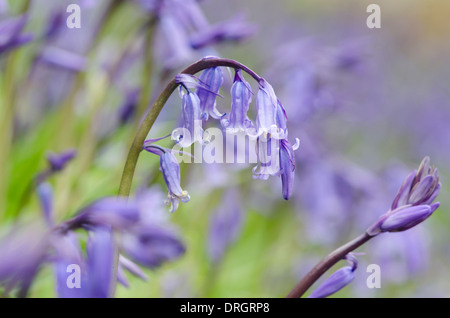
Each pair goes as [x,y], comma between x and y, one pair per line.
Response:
[170,169]
[241,97]
[192,130]
[11,35]
[413,203]
[337,280]
[213,78]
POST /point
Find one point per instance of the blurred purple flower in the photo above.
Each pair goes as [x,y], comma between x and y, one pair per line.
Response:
[152,245]
[235,29]
[62,58]
[128,108]
[11,35]
[225,226]
[337,280]
[22,253]
[57,162]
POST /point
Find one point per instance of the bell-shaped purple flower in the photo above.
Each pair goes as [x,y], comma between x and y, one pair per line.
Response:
[241,97]
[413,202]
[192,130]
[170,169]
[266,104]
[213,79]
[268,152]
[338,280]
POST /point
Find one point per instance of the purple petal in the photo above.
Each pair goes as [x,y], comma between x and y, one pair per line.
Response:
[405,218]
[213,78]
[100,259]
[334,283]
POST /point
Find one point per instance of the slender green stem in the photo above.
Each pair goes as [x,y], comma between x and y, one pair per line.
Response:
[146,125]
[325,264]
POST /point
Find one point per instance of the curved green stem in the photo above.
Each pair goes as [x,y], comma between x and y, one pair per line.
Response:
[325,264]
[146,125]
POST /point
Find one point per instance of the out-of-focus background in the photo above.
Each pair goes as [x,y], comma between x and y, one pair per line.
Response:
[367,105]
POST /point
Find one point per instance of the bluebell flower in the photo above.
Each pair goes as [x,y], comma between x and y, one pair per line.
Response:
[337,280]
[413,202]
[266,104]
[170,169]
[268,152]
[213,78]
[241,97]
[192,130]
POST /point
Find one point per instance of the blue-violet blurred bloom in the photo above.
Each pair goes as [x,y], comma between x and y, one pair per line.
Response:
[11,33]
[338,280]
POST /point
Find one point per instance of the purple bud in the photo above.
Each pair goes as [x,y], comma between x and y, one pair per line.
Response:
[241,97]
[58,161]
[213,78]
[405,218]
[341,278]
[413,203]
